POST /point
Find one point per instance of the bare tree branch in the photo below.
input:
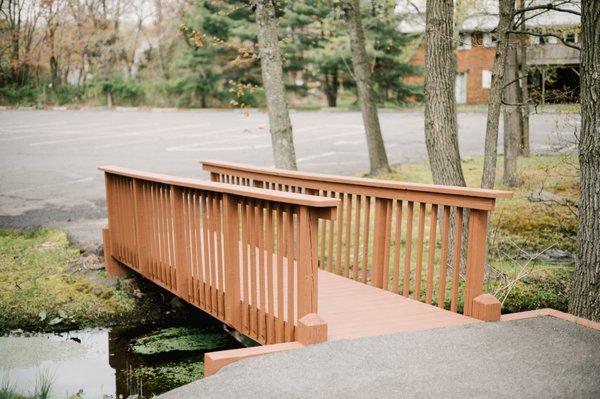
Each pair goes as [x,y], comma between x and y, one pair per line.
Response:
[576,47]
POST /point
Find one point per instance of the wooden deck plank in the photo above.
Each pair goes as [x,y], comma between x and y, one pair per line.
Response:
[352,309]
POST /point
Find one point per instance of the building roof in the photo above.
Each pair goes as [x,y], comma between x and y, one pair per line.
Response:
[482,15]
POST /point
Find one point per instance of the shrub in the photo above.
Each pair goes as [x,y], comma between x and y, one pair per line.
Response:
[19,95]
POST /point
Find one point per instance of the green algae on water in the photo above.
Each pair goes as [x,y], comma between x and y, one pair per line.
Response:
[183,339]
[170,375]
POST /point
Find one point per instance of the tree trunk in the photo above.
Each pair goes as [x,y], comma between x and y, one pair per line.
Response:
[585,292]
[490,157]
[280,125]
[512,117]
[360,63]
[441,130]
[525,149]
[331,85]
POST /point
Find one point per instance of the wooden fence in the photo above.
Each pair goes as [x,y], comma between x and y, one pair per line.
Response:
[223,248]
[402,237]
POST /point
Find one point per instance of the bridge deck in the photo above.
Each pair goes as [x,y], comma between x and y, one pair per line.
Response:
[352,310]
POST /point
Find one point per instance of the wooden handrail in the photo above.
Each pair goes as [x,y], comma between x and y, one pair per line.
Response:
[252,192]
[246,255]
[318,181]
[368,243]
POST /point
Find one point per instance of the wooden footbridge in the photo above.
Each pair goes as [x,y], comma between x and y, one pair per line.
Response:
[290,258]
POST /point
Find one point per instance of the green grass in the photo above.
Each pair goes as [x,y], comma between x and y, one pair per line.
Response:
[40,293]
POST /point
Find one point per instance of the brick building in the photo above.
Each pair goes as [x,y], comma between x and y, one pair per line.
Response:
[553,67]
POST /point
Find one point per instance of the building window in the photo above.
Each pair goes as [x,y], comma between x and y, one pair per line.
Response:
[486,79]
[570,38]
[464,41]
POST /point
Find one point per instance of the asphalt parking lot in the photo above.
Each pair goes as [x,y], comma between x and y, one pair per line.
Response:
[48,159]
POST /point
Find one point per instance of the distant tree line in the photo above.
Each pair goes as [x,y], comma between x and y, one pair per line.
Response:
[191,53]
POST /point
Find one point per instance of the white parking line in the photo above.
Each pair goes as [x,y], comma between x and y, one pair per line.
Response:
[119,135]
[309,157]
[97,128]
[123,143]
[20,127]
[85,179]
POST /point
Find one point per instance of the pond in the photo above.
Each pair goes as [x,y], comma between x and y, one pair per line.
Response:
[109,362]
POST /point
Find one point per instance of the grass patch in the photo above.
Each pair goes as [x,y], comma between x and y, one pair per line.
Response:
[40,293]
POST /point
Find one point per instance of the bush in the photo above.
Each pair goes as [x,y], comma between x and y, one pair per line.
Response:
[70,94]
[124,92]
[19,95]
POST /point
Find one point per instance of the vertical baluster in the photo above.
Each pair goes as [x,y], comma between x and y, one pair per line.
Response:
[331,234]
[431,253]
[420,240]
[245,266]
[456,258]
[212,255]
[408,249]
[169,206]
[397,245]
[340,224]
[195,250]
[270,296]
[161,221]
[385,274]
[182,263]
[347,239]
[289,229]
[355,260]
[444,257]
[365,262]
[279,336]
[253,283]
[260,214]
[220,269]
[202,201]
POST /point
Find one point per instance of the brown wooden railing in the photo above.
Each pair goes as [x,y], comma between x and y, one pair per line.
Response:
[224,248]
[384,230]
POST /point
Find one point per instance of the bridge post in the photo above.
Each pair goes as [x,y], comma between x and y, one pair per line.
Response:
[231,244]
[307,261]
[476,258]
[379,266]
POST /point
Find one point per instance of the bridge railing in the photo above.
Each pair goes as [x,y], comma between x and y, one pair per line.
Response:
[246,255]
[402,237]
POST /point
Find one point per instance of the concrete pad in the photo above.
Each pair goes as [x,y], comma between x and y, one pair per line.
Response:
[543,357]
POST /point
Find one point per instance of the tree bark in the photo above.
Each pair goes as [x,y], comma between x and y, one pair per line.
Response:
[441,130]
[512,117]
[331,85]
[585,292]
[362,74]
[525,149]
[490,157]
[280,125]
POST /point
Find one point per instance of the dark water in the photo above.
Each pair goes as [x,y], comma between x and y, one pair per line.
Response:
[100,363]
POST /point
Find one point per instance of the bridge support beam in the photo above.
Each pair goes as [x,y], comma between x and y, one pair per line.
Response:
[215,361]
[113,268]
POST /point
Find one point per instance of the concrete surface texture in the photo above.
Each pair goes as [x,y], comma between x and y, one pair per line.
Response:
[543,357]
[48,159]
